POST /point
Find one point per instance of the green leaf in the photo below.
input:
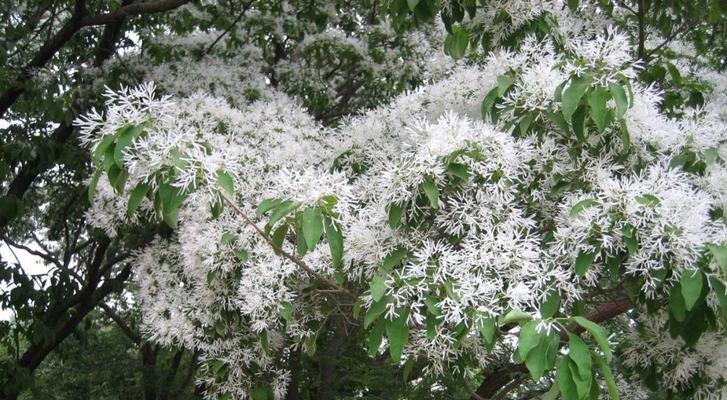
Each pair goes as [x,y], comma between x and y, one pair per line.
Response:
[377,308]
[524,124]
[103,146]
[514,316]
[625,136]
[432,192]
[432,323]
[608,376]
[407,369]
[599,111]
[395,212]
[398,332]
[579,124]
[535,361]
[412,4]
[719,253]
[125,138]
[312,224]
[503,83]
[631,238]
[676,303]
[619,95]
[565,381]
[583,261]
[378,287]
[310,345]
[487,331]
[357,307]
[558,120]
[375,337]
[648,200]
[108,158]
[553,393]
[334,233]
[572,95]
[536,348]
[217,366]
[242,255]
[582,205]
[721,291]
[691,283]
[551,305]
[458,170]
[580,354]
[267,205]
[225,181]
[394,258]
[171,199]
[263,393]
[488,102]
[279,236]
[599,335]
[528,338]
[455,45]
[431,303]
[137,195]
[573,5]
[281,210]
[674,72]
[286,311]
[228,238]
[92,185]
[264,342]
[117,178]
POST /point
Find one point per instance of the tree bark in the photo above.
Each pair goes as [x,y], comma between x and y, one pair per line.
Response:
[327,361]
[149,354]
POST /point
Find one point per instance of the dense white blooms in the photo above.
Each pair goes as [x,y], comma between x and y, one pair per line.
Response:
[480,250]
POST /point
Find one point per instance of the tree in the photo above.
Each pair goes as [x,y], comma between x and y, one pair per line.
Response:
[324,183]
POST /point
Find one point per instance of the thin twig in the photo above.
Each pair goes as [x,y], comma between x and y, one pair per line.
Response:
[683,29]
[297,261]
[44,256]
[229,28]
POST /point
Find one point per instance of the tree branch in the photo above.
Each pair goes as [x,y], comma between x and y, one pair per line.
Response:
[229,28]
[77,21]
[149,7]
[297,261]
[125,328]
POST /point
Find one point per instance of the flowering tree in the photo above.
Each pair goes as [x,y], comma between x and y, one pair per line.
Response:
[538,211]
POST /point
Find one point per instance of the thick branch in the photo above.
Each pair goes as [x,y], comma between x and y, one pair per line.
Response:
[171,374]
[149,7]
[77,21]
[125,328]
[30,171]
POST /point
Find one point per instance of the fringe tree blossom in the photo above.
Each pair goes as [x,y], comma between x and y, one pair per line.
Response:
[467,234]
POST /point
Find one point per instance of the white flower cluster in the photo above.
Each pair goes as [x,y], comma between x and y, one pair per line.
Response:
[652,347]
[476,205]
